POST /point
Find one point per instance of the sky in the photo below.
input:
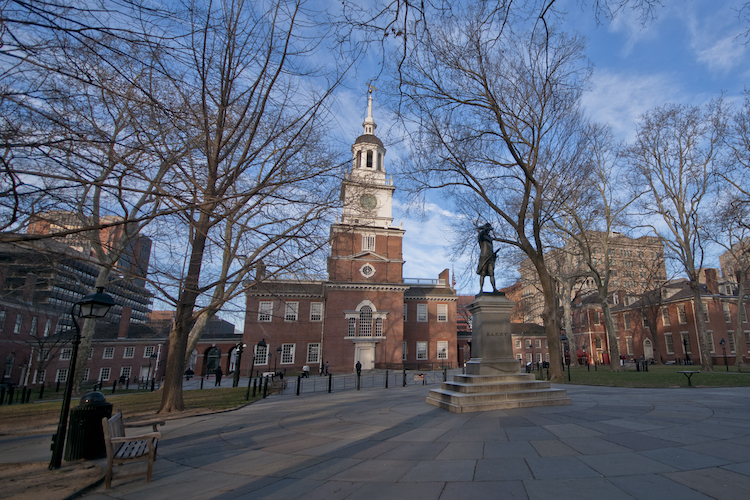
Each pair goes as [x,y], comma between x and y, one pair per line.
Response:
[691,53]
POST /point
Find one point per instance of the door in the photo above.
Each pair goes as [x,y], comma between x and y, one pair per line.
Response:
[648,349]
[365,354]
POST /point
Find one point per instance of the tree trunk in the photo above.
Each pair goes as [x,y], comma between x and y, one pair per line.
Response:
[738,337]
[196,331]
[551,322]
[171,400]
[700,322]
[609,325]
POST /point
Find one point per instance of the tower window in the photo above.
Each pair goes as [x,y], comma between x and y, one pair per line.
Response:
[369,159]
[358,161]
[365,322]
[368,242]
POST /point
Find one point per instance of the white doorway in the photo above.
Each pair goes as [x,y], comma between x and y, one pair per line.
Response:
[648,349]
[365,354]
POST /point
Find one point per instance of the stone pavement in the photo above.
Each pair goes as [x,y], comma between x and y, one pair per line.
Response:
[611,443]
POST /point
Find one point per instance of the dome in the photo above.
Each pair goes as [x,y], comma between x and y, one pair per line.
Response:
[369,139]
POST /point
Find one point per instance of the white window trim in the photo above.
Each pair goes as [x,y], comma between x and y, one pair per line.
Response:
[442,349]
[316,309]
[128,353]
[313,347]
[423,313]
[110,351]
[291,352]
[426,354]
[264,359]
[265,311]
[291,311]
[442,313]
[102,371]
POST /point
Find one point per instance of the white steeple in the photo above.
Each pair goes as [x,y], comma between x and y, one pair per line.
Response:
[369,124]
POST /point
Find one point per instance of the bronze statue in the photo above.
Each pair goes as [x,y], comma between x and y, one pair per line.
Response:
[487,257]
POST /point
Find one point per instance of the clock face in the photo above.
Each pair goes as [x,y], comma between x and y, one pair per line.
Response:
[368,201]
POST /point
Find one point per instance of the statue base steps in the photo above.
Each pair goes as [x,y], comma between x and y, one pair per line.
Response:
[468,393]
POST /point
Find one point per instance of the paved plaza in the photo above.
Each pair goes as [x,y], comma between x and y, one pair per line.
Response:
[388,443]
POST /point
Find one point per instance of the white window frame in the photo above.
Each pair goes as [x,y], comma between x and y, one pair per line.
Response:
[442,313]
[19,324]
[537,344]
[66,353]
[316,311]
[109,353]
[442,349]
[518,343]
[681,314]
[34,325]
[105,371]
[727,313]
[261,355]
[39,376]
[127,371]
[629,345]
[91,353]
[86,373]
[422,313]
[287,354]
[422,352]
[291,311]
[665,317]
[128,353]
[313,352]
[148,351]
[669,343]
[265,311]
[47,327]
[368,242]
[528,357]
[61,375]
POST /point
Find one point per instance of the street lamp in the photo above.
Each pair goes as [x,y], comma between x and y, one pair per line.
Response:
[276,359]
[93,305]
[566,354]
[723,343]
[685,348]
[238,358]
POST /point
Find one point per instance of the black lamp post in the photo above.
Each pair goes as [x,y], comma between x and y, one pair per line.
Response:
[238,358]
[566,354]
[276,359]
[685,348]
[93,305]
[723,344]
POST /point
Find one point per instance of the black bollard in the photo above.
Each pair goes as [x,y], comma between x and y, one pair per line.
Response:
[41,391]
[637,366]
[298,382]
[265,387]
[127,384]
[357,381]
[404,377]
[249,383]
[57,389]
[255,386]
[445,374]
[28,395]
[330,382]
[114,386]
[153,382]
[386,379]
[10,395]
[2,394]
[201,382]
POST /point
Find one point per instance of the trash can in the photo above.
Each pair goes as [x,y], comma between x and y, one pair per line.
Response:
[85,432]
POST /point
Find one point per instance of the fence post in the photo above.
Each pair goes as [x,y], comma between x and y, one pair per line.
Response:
[201,381]
[10,395]
[386,379]
[404,377]
[298,383]
[330,381]
[445,374]
[41,393]
[114,386]
[265,388]
[249,383]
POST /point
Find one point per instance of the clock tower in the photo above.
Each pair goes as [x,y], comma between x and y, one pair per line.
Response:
[365,246]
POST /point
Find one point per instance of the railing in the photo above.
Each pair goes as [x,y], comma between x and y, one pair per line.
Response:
[372,380]
[424,282]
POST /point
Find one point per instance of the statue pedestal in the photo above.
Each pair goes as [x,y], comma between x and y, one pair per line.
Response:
[493,380]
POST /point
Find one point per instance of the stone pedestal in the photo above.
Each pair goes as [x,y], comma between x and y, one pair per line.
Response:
[493,380]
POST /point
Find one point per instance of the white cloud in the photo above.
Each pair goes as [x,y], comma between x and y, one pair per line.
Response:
[724,55]
[619,99]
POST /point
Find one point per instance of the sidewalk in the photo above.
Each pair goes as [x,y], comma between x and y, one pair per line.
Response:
[611,443]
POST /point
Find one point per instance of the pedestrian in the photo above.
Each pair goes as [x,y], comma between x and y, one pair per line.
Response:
[326,367]
[306,371]
[358,366]
[218,374]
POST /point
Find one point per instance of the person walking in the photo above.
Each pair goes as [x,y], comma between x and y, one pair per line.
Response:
[326,368]
[358,366]
[218,374]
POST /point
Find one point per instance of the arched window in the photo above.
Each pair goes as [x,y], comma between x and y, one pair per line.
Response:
[365,321]
[369,159]
[380,162]
[358,162]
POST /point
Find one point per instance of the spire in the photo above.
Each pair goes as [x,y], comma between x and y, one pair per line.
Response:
[369,123]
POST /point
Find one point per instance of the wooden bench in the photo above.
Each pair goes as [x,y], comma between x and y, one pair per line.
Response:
[689,374]
[122,449]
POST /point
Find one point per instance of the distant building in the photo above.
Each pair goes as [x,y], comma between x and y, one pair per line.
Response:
[364,310]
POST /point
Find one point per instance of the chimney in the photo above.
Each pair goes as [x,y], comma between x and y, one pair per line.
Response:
[122,331]
[446,276]
[712,281]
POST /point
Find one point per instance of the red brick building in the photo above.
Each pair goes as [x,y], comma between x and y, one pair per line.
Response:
[365,311]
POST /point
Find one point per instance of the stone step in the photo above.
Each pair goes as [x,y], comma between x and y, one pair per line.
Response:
[495,397]
[493,379]
[497,405]
[472,388]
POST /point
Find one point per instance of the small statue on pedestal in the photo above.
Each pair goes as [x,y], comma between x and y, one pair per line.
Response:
[487,257]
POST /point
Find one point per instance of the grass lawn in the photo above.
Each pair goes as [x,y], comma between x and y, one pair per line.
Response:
[657,376]
[135,406]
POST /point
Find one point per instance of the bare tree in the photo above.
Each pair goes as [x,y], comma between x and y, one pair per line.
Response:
[257,173]
[675,158]
[497,128]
